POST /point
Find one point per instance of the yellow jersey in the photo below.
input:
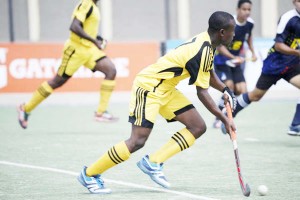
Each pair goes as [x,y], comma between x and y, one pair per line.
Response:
[193,59]
[88,13]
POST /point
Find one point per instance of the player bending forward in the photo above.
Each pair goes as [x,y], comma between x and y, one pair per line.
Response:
[154,93]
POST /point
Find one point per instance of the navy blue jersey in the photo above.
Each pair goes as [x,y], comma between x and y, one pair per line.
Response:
[288,32]
[242,33]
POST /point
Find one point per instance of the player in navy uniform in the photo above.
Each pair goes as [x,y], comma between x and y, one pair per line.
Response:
[228,60]
[282,62]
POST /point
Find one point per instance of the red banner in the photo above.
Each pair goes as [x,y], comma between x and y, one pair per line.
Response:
[23,67]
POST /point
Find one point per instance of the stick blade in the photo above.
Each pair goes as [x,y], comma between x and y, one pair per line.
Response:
[246,190]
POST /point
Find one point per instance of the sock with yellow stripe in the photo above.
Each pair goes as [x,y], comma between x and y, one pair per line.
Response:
[38,96]
[107,87]
[179,142]
[116,155]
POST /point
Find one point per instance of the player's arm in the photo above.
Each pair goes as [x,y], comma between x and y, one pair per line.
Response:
[76,27]
[251,48]
[103,41]
[216,83]
[225,52]
[285,49]
[209,103]
[283,31]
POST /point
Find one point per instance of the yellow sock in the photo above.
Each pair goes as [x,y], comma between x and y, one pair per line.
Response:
[116,155]
[179,142]
[38,96]
[107,87]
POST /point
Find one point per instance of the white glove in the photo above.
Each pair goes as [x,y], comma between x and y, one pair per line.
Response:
[231,97]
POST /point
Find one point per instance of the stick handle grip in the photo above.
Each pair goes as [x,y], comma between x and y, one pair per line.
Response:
[229,114]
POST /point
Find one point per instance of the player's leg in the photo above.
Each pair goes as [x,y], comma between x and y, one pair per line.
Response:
[262,86]
[100,62]
[41,93]
[141,129]
[143,111]
[44,91]
[107,86]
[184,138]
[69,65]
[121,151]
[153,164]
[293,77]
[294,128]
[224,73]
[178,108]
[90,177]
[240,86]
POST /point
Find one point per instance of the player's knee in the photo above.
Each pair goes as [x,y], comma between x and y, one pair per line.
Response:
[255,98]
[56,83]
[136,144]
[139,145]
[240,90]
[197,131]
[230,84]
[202,129]
[111,73]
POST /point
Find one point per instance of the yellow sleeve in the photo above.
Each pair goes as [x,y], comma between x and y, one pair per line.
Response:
[82,10]
[206,64]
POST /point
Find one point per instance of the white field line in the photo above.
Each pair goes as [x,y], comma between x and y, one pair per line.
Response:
[252,139]
[108,180]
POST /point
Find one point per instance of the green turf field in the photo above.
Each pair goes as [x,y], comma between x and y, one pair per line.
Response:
[41,163]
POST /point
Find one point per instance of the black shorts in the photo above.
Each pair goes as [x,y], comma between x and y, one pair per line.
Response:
[225,73]
[265,81]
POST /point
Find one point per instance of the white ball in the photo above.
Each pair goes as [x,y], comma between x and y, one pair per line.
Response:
[262,190]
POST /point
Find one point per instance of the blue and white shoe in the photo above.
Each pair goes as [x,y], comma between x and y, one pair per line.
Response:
[22,116]
[294,130]
[94,183]
[154,170]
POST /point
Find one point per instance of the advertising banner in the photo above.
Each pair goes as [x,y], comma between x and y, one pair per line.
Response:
[23,67]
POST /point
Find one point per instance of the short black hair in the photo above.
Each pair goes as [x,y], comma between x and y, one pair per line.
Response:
[219,20]
[241,2]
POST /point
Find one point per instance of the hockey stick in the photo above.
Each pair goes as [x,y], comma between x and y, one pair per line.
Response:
[233,62]
[245,187]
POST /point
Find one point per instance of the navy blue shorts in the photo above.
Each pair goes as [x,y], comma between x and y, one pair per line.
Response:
[225,73]
[265,81]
